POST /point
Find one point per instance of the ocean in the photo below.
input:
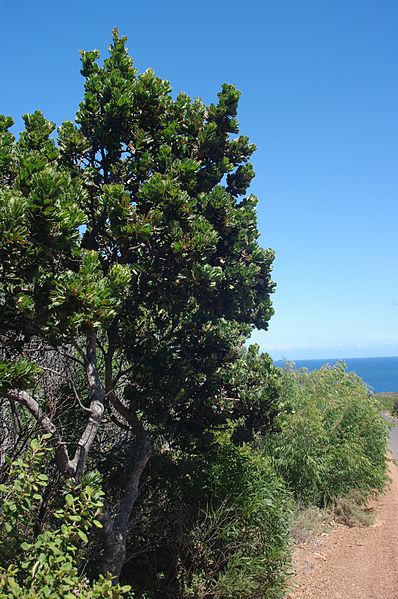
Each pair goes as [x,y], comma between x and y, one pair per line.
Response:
[381,374]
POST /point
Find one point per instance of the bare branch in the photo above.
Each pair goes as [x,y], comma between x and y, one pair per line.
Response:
[110,383]
[119,405]
[100,345]
[96,407]
[28,402]
[73,358]
[56,372]
[79,401]
[118,422]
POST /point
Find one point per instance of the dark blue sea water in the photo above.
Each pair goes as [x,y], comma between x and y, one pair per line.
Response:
[380,373]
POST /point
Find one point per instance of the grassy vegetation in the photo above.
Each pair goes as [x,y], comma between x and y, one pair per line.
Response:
[330,448]
[388,402]
[308,521]
[352,510]
[332,438]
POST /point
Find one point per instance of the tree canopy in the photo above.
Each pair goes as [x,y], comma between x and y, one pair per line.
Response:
[129,253]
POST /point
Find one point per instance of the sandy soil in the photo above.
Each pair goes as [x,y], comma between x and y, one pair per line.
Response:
[353,563]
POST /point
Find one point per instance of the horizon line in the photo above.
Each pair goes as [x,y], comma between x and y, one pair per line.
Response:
[334,359]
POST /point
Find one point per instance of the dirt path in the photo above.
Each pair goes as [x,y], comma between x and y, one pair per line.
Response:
[353,563]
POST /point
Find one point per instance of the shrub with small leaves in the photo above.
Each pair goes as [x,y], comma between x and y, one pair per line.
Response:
[46,565]
[17,375]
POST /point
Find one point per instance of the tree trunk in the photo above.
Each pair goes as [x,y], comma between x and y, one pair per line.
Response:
[114,547]
[114,532]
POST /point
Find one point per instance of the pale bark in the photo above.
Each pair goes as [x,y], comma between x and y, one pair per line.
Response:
[96,408]
[115,528]
[71,467]
[27,401]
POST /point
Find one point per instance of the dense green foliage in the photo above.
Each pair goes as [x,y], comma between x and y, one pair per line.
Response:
[46,564]
[333,439]
[129,255]
[388,402]
[253,514]
[131,277]
[218,528]
[213,526]
[168,272]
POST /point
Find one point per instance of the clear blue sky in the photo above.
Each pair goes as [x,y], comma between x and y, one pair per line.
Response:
[320,100]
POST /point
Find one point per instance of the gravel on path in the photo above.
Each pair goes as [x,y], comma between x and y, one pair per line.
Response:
[353,563]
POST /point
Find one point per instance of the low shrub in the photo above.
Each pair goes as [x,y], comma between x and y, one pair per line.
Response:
[224,528]
[308,521]
[388,402]
[332,438]
[36,566]
[253,539]
[352,510]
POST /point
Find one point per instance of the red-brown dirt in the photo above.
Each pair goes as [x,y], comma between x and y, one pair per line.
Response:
[352,563]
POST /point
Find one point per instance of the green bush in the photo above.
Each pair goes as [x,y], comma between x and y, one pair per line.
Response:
[395,409]
[255,539]
[46,564]
[332,439]
[217,529]
[388,402]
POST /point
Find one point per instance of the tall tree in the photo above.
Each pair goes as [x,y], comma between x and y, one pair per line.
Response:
[131,247]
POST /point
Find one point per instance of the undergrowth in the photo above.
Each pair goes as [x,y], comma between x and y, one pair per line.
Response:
[332,439]
[220,528]
[352,510]
[388,402]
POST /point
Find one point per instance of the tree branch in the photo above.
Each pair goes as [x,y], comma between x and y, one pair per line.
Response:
[109,382]
[96,407]
[28,402]
[114,531]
